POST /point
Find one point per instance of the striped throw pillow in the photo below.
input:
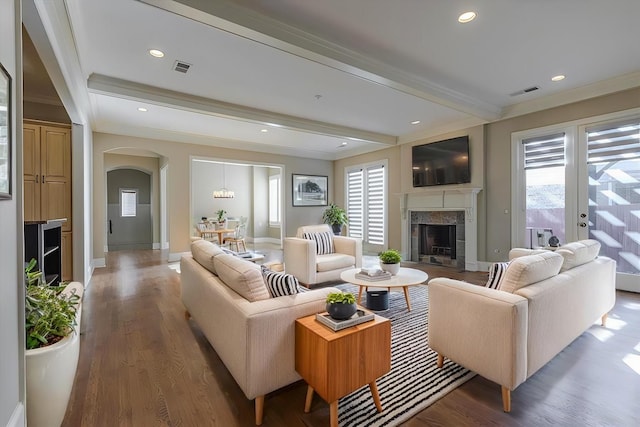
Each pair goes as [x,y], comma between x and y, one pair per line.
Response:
[324,241]
[280,284]
[496,273]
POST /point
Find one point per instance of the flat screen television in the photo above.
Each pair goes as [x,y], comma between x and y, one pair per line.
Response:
[441,163]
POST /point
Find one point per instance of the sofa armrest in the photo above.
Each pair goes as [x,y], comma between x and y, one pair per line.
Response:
[350,246]
[481,329]
[300,259]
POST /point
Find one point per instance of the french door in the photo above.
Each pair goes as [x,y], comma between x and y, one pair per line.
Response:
[581,182]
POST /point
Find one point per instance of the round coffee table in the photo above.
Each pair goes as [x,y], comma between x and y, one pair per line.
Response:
[406,277]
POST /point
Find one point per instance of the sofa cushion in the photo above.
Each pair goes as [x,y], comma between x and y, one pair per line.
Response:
[529,269]
[496,273]
[334,261]
[578,253]
[242,276]
[323,240]
[279,284]
[518,252]
[203,252]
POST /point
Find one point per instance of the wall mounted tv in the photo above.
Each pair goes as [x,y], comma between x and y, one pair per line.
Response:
[441,163]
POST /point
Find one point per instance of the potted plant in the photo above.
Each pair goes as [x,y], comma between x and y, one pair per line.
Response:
[390,261]
[341,305]
[221,220]
[336,217]
[52,318]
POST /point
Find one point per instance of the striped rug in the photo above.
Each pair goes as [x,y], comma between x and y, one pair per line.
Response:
[414,382]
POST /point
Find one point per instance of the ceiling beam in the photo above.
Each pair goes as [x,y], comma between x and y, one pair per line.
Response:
[111,86]
[238,20]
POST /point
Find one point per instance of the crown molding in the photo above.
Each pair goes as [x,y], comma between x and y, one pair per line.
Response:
[235,19]
[604,87]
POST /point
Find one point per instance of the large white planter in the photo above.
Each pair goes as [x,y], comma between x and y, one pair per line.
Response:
[50,374]
[391,268]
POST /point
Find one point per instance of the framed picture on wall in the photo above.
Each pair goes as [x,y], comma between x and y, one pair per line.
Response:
[5,134]
[310,190]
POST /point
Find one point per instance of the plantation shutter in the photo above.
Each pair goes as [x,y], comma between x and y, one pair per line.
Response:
[366,203]
[355,202]
[375,205]
[614,142]
[544,151]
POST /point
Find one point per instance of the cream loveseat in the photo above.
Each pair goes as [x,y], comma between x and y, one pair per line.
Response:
[253,334]
[304,257]
[546,300]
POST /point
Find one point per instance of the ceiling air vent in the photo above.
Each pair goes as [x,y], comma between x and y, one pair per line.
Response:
[523,91]
[181,66]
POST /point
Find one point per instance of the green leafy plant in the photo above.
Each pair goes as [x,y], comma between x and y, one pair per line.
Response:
[50,315]
[335,215]
[390,256]
[341,298]
[221,215]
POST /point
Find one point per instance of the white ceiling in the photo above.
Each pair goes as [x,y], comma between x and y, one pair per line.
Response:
[336,71]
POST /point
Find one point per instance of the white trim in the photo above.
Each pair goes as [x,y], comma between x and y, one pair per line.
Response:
[271,240]
[627,282]
[17,417]
[98,263]
[155,245]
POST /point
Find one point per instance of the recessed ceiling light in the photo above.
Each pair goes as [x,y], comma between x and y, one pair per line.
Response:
[275,125]
[157,53]
[142,109]
[467,17]
[343,144]
[557,78]
[415,122]
[264,130]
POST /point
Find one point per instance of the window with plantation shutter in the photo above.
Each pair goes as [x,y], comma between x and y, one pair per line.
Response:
[366,202]
[128,202]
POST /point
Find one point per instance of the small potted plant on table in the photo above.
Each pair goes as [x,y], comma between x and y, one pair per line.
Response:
[390,261]
[341,305]
[221,220]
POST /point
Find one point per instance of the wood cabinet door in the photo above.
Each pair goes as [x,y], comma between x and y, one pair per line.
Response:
[55,157]
[31,161]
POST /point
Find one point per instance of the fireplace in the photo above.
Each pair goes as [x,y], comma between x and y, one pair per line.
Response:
[454,240]
[438,238]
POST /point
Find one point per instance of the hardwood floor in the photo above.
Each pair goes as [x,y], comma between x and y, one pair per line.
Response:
[143,364]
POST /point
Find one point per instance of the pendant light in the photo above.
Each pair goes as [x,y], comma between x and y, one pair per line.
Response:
[223,193]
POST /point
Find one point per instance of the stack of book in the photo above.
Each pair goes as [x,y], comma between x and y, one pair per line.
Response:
[361,316]
[373,274]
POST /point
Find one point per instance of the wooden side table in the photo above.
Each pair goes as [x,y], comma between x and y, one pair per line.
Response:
[335,364]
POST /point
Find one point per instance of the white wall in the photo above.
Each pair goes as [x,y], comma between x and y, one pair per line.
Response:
[12,284]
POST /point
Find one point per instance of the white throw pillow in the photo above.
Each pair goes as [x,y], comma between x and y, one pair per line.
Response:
[578,253]
[529,269]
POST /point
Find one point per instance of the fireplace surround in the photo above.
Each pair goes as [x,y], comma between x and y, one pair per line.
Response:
[441,207]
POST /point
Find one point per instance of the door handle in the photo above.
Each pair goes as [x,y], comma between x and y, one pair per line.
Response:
[110,227]
[37,179]
[43,179]
[582,224]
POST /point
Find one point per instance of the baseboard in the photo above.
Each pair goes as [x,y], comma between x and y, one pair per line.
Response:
[17,418]
[155,246]
[98,263]
[483,265]
[165,245]
[628,282]
[271,240]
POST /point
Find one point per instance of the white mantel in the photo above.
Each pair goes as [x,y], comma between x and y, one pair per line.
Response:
[443,199]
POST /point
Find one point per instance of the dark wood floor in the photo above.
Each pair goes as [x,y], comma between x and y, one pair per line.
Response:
[143,364]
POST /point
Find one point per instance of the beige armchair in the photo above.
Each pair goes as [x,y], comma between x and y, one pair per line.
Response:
[302,260]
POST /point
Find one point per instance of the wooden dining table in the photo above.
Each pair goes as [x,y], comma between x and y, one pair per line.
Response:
[222,231]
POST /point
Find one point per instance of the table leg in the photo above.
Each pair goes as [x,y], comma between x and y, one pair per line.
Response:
[406,296]
[376,397]
[333,411]
[307,402]
[360,292]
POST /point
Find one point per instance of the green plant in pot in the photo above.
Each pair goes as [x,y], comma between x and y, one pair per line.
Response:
[50,315]
[336,217]
[341,305]
[390,261]
[221,218]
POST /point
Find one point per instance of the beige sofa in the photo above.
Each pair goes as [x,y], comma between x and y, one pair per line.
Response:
[545,301]
[301,258]
[251,332]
